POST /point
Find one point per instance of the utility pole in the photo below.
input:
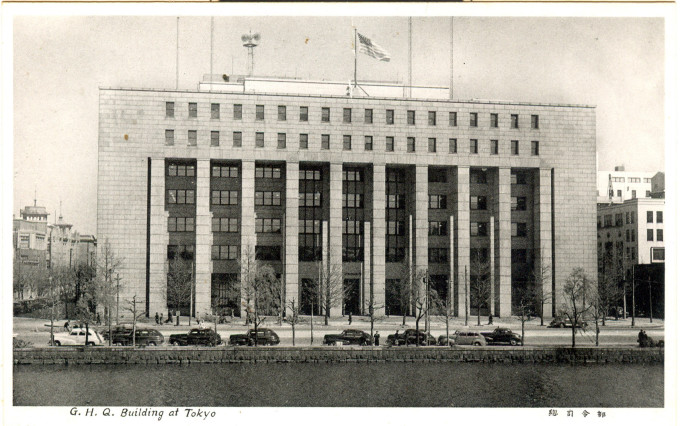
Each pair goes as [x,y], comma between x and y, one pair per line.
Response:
[632,324]
[649,283]
[466,297]
[52,312]
[117,296]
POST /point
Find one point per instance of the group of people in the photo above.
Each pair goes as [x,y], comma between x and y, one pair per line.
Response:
[159,318]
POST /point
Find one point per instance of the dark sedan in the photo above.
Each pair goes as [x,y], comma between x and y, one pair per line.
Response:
[143,337]
[264,337]
[411,337]
[196,336]
[348,337]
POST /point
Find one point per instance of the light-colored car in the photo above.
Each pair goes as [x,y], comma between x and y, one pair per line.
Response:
[77,337]
[469,338]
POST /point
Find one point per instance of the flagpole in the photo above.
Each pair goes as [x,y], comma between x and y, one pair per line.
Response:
[355,57]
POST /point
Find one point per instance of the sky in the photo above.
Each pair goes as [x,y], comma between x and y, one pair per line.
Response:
[60,62]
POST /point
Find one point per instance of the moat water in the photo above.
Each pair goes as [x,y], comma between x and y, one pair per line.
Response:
[333,385]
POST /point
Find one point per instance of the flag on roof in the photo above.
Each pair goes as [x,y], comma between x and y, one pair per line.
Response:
[372,49]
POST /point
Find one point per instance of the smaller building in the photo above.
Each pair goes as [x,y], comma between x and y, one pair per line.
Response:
[619,185]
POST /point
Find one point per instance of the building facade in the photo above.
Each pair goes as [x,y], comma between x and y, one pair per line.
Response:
[620,185]
[362,186]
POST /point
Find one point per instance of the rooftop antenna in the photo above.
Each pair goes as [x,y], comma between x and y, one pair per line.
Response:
[35,196]
[250,41]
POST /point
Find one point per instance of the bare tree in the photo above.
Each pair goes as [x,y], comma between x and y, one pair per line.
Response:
[373,306]
[58,284]
[331,290]
[480,287]
[419,296]
[577,299]
[402,290]
[108,263]
[293,317]
[525,297]
[133,306]
[541,275]
[27,278]
[180,280]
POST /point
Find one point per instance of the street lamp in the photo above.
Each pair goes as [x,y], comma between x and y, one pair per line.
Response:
[250,41]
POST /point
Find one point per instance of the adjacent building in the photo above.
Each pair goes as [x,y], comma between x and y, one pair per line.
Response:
[317,176]
[619,185]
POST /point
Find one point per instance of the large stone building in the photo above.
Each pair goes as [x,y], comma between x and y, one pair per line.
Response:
[315,175]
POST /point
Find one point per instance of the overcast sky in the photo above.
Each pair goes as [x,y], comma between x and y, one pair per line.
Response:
[616,64]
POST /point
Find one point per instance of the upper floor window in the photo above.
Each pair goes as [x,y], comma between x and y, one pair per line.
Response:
[410,144]
[659,234]
[325,115]
[224,171]
[347,115]
[225,224]
[659,217]
[519,229]
[175,169]
[268,172]
[368,143]
[214,138]
[238,111]
[259,140]
[181,196]
[389,116]
[310,199]
[437,228]
[650,216]
[514,147]
[368,116]
[169,137]
[494,119]
[410,117]
[170,109]
[432,145]
[518,203]
[352,175]
[347,142]
[477,176]
[453,119]
[477,202]
[304,113]
[281,141]
[494,147]
[304,141]
[215,111]
[282,113]
[534,148]
[432,118]
[634,180]
[310,174]
[389,143]
[259,112]
[534,121]
[193,110]
[437,201]
[268,225]
[180,224]
[224,198]
[238,139]
[514,121]
[479,229]
[474,148]
[325,141]
[436,175]
[267,198]
[518,178]
[453,145]
[473,119]
[192,137]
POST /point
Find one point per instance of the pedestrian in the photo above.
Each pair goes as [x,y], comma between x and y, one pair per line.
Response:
[99,319]
[376,338]
[490,319]
[160,319]
[67,325]
[350,317]
[169,317]
[157,318]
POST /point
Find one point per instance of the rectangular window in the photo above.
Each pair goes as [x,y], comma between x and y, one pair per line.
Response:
[224,252]
[473,119]
[304,141]
[633,194]
[368,116]
[259,140]
[215,111]
[477,202]
[659,234]
[650,217]
[169,137]
[437,201]
[518,203]
[395,227]
[453,146]
[437,228]
[325,115]
[238,111]
[494,120]
[432,145]
[389,143]
[238,139]
[389,116]
[634,180]
[438,255]
[310,199]
[514,121]
[347,142]
[309,226]
[432,118]
[193,110]
[267,172]
[453,119]
[410,144]
[534,148]
[224,198]
[411,117]
[304,113]
[178,169]
[518,178]
[180,224]
[514,147]
[192,137]
[259,112]
[395,201]
[479,229]
[267,226]
[477,176]
[282,113]
[214,138]
[225,224]
[658,254]
[225,171]
[659,217]
[180,196]
[494,147]
[474,149]
[648,194]
[353,200]
[519,229]
[352,175]
[618,192]
[267,198]
[534,121]
[281,141]
[368,143]
[650,235]
[169,109]
[436,175]
[325,141]
[347,115]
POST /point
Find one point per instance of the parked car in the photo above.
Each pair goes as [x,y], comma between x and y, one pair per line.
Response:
[348,337]
[264,337]
[143,337]
[445,340]
[502,336]
[564,322]
[77,337]
[410,337]
[473,338]
[196,336]
[116,330]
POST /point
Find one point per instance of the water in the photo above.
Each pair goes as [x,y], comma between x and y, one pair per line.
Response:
[331,385]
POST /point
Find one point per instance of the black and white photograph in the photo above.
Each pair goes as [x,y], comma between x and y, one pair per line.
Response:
[217,212]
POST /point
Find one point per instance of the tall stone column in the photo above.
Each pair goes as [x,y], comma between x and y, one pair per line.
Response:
[366,270]
[463,239]
[248,239]
[504,244]
[203,276]
[420,225]
[335,231]
[292,231]
[543,236]
[159,239]
[378,238]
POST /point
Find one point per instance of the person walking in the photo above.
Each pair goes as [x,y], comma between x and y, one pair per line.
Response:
[350,318]
[160,319]
[376,338]
[157,318]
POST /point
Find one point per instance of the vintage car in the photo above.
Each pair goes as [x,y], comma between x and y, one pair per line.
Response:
[348,337]
[264,337]
[78,336]
[196,336]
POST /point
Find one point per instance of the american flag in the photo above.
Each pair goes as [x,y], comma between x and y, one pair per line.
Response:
[372,49]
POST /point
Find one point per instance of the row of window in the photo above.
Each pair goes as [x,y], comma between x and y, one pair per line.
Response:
[618,218]
[631,179]
[347,116]
[659,235]
[237,141]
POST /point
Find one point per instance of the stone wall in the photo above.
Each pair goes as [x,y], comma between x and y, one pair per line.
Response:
[84,356]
